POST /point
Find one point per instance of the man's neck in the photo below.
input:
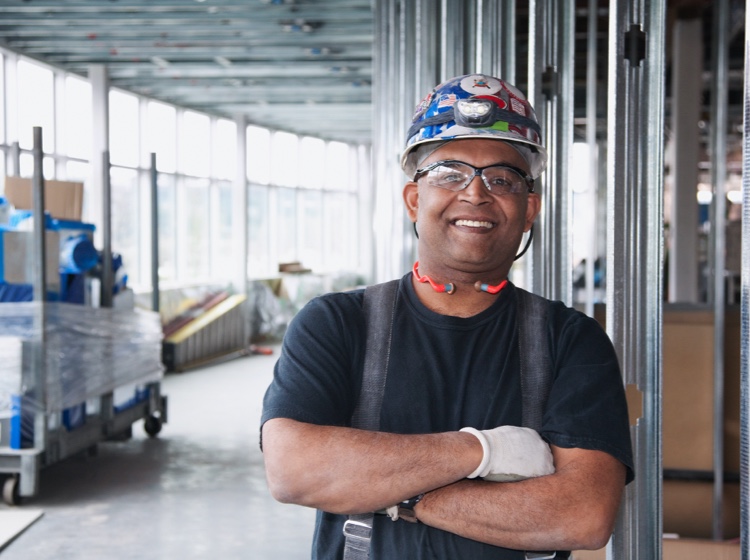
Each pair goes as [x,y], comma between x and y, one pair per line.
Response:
[465,301]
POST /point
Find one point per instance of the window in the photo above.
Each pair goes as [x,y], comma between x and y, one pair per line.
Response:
[257,223]
[36,105]
[167,227]
[124,183]
[286,225]
[337,167]
[160,136]
[339,237]
[258,155]
[194,144]
[193,238]
[76,118]
[312,166]
[222,261]
[123,129]
[285,159]
[224,149]
[310,236]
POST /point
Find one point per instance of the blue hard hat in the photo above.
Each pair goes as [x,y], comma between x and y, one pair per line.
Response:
[477,106]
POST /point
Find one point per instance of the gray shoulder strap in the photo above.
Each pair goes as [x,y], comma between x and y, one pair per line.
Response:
[534,355]
[379,307]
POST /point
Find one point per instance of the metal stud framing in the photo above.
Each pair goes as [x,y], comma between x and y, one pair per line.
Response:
[745,317]
[634,252]
[718,150]
[551,49]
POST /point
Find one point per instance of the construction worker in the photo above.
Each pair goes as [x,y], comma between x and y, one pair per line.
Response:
[451,471]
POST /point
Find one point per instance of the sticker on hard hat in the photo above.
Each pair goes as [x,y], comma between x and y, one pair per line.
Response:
[447,100]
[476,83]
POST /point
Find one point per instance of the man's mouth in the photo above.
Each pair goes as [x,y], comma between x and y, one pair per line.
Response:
[474,224]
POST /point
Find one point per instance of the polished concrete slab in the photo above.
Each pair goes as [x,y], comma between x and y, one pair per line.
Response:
[198,490]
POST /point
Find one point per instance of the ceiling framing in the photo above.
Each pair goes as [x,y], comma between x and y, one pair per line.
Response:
[299,65]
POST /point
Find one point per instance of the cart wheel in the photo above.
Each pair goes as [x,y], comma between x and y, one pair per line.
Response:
[11,494]
[152,425]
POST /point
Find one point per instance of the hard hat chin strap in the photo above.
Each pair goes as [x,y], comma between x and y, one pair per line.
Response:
[528,244]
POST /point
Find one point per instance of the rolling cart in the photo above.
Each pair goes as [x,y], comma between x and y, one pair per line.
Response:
[71,375]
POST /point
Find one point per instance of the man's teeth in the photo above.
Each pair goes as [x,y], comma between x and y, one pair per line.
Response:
[474,223]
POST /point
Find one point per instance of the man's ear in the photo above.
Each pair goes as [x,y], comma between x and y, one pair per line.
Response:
[533,207]
[411,199]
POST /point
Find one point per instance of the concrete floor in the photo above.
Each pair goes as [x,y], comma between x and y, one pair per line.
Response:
[198,490]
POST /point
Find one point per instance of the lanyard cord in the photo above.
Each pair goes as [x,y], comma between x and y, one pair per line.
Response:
[449,288]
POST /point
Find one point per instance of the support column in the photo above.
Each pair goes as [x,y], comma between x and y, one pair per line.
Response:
[239,210]
[100,143]
[687,87]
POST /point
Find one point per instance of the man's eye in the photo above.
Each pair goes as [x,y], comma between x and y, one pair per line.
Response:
[501,182]
[449,176]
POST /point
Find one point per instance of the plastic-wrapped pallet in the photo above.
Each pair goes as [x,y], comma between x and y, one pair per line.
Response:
[87,352]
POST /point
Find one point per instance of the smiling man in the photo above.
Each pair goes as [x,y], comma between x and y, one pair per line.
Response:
[456,463]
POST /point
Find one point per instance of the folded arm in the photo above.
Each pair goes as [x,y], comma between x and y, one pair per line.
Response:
[574,508]
[344,470]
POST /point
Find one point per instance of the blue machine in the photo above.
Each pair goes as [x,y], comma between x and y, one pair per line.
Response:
[70,250]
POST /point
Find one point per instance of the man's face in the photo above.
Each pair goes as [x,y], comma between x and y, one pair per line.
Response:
[473,230]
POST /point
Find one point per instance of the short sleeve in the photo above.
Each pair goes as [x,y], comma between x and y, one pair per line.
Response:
[316,376]
[587,407]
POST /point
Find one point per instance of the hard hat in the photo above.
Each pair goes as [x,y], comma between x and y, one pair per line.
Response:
[476,106]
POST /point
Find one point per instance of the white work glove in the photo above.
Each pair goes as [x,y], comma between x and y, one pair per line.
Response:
[512,453]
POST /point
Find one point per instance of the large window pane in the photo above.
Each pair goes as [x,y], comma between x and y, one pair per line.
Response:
[312,157]
[258,154]
[286,225]
[192,243]
[123,128]
[194,144]
[310,238]
[339,214]
[285,159]
[222,261]
[124,213]
[76,117]
[167,227]
[26,162]
[35,105]
[77,171]
[258,259]
[161,135]
[337,166]
[224,149]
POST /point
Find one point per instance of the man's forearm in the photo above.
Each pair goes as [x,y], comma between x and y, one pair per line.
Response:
[343,470]
[574,508]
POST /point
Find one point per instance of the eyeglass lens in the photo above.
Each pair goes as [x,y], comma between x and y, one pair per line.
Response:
[456,176]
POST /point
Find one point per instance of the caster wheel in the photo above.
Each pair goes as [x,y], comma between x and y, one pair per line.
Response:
[11,494]
[152,425]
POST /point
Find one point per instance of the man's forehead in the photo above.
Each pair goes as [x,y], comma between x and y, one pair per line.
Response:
[486,149]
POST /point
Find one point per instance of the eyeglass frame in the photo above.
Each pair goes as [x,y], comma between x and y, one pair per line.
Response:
[478,172]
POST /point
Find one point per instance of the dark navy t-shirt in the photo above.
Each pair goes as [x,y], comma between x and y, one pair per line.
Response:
[445,373]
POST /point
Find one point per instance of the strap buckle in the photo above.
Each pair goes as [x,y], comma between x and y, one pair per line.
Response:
[357,530]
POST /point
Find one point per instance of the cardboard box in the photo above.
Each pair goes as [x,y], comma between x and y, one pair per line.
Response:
[62,199]
[679,549]
[688,508]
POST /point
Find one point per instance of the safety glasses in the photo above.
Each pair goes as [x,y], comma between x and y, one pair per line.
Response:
[455,175]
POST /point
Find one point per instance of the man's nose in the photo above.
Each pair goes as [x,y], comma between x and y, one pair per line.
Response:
[476,189]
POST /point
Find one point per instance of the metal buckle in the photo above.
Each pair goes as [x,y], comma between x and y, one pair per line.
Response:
[541,555]
[357,530]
